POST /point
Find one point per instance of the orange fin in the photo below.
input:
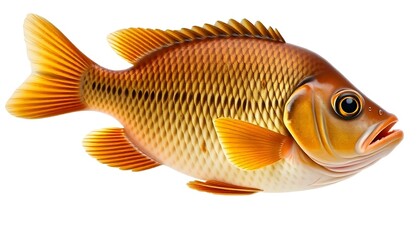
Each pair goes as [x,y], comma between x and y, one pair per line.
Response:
[110,146]
[249,146]
[57,67]
[134,43]
[217,187]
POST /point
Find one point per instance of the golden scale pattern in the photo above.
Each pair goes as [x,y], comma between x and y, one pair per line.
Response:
[168,100]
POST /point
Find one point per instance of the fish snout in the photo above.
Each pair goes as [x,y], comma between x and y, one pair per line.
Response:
[380,136]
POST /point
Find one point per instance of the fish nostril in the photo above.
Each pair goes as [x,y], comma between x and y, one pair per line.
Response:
[380,111]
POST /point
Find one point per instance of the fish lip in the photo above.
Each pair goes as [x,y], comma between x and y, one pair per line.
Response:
[377,141]
[380,136]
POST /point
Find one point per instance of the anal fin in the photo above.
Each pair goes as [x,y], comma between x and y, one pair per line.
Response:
[111,146]
[217,187]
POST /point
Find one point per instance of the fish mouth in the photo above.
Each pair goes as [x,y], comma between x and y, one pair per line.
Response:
[381,135]
[377,141]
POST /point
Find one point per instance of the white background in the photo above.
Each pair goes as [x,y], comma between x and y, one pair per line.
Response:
[51,189]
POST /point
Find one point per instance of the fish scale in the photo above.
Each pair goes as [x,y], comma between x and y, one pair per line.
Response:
[222,71]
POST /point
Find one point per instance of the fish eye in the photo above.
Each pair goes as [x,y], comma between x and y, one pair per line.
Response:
[347,104]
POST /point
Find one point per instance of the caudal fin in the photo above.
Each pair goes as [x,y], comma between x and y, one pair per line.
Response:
[57,67]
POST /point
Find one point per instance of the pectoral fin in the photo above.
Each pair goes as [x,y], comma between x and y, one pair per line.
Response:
[217,187]
[110,146]
[251,147]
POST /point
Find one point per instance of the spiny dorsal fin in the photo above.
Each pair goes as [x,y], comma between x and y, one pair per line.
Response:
[133,43]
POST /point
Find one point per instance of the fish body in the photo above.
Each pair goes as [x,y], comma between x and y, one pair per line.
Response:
[231,104]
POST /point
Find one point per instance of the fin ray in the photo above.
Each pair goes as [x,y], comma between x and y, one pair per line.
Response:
[111,146]
[248,146]
[218,187]
[57,69]
[134,43]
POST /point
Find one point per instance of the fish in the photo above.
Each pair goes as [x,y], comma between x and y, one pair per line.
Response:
[231,105]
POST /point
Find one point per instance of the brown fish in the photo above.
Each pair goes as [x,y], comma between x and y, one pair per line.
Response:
[232,104]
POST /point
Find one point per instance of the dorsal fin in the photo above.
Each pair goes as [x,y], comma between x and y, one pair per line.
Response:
[133,43]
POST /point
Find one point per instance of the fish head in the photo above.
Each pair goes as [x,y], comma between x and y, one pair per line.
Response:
[337,126]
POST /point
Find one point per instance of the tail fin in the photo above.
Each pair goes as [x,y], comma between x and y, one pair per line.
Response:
[57,67]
